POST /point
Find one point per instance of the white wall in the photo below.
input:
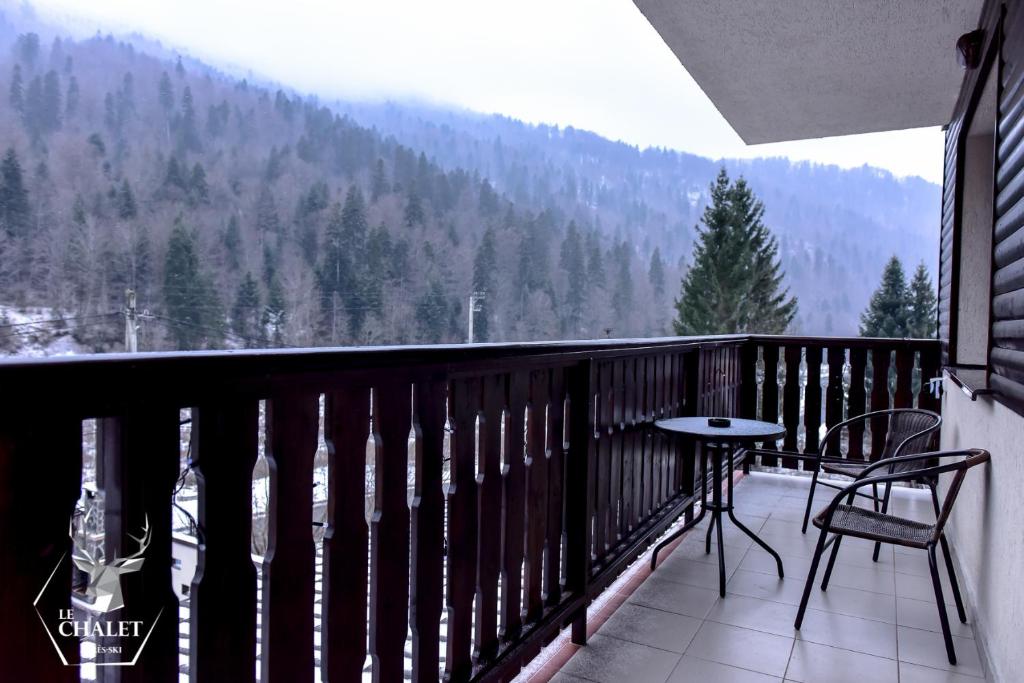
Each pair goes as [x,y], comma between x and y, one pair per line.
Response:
[987,527]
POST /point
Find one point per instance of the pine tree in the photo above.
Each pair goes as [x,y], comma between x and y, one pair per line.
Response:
[233,243]
[267,221]
[15,211]
[188,131]
[379,185]
[333,277]
[166,93]
[193,308]
[656,274]
[573,261]
[595,260]
[275,314]
[414,214]
[32,114]
[198,190]
[622,292]
[922,305]
[71,100]
[17,96]
[51,107]
[246,313]
[888,312]
[432,313]
[485,263]
[735,283]
[127,209]
[353,236]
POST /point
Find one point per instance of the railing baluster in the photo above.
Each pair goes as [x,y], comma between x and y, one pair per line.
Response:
[464,404]
[770,397]
[929,363]
[903,396]
[834,395]
[616,437]
[628,433]
[791,404]
[812,399]
[426,518]
[580,489]
[389,531]
[536,493]
[855,403]
[879,398]
[222,599]
[489,517]
[140,455]
[41,473]
[288,565]
[604,457]
[513,506]
[346,538]
[556,486]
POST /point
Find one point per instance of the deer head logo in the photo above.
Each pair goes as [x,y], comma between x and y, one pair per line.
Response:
[105,578]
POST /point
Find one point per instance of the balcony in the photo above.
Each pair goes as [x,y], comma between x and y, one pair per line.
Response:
[510,486]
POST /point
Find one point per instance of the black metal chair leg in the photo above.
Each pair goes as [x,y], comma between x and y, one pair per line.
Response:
[960,611]
[933,566]
[810,501]
[711,530]
[885,509]
[810,579]
[831,563]
[874,496]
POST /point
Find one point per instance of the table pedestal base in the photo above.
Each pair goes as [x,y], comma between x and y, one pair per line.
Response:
[716,507]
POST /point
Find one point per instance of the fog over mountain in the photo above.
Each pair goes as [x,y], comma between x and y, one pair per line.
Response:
[244,213]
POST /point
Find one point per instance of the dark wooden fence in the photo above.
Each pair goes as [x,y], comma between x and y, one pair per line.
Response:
[558,480]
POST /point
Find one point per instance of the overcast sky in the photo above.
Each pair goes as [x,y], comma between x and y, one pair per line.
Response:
[592,64]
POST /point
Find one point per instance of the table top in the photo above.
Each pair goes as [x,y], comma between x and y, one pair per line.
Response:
[738,430]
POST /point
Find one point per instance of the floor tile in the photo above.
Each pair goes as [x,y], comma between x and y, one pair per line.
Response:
[920,587]
[562,677]
[914,673]
[692,669]
[653,627]
[741,647]
[693,549]
[925,615]
[812,663]
[876,579]
[849,633]
[754,613]
[610,660]
[672,596]
[691,572]
[928,649]
[760,561]
[854,603]
[766,586]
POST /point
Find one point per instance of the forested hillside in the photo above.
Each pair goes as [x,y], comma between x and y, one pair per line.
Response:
[247,215]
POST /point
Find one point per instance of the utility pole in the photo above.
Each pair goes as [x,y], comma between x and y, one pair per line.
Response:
[131,327]
[476,305]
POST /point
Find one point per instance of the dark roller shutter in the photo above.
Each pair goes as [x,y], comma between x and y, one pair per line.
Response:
[1007,354]
[948,256]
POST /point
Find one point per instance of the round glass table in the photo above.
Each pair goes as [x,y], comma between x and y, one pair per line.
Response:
[720,443]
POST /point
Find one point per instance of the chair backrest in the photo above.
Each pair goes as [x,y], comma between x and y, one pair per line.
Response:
[972,457]
[910,432]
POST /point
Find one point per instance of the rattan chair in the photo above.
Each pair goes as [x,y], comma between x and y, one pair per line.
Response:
[910,432]
[843,519]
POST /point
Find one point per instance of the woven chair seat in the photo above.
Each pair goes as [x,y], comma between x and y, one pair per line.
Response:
[876,526]
[847,470]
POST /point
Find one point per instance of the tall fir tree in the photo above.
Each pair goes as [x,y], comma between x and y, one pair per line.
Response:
[71,100]
[15,210]
[17,92]
[735,283]
[432,313]
[923,313]
[127,209]
[379,185]
[51,106]
[656,274]
[246,312]
[188,129]
[275,314]
[572,260]
[888,312]
[233,243]
[194,314]
[485,262]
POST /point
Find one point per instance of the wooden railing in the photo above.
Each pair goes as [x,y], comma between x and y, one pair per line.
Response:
[558,480]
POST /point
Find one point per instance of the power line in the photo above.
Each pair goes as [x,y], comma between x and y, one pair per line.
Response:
[60,320]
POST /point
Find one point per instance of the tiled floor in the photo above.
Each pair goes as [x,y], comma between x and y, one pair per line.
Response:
[877,621]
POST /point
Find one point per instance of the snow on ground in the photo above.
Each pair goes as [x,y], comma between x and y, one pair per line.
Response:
[36,332]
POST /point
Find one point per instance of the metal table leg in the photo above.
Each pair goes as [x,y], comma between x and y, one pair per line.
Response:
[748,532]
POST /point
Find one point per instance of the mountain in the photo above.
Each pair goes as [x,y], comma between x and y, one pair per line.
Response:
[245,214]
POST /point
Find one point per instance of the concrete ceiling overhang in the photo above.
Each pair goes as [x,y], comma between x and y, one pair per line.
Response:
[797,69]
